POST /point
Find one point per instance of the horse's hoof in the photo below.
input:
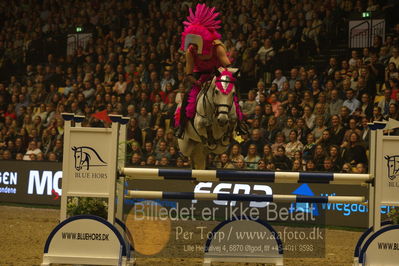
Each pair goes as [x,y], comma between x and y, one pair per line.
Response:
[212,146]
[226,142]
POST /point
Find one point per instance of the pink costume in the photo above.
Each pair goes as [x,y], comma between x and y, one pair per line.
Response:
[200,29]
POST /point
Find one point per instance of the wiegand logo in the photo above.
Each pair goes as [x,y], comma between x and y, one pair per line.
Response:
[393,166]
[86,157]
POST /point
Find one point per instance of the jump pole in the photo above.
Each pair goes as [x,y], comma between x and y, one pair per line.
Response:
[245,176]
[242,197]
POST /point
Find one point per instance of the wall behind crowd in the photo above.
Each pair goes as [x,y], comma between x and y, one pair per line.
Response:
[300,117]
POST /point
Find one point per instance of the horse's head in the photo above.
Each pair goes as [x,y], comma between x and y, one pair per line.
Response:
[223,94]
[78,157]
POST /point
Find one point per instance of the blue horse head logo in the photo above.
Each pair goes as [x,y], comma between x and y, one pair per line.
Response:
[393,166]
[86,157]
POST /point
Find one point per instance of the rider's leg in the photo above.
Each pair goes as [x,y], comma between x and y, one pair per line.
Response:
[183,116]
[187,110]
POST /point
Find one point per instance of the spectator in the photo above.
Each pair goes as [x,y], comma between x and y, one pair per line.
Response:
[240,164]
[297,166]
[52,157]
[335,103]
[361,168]
[366,108]
[261,165]
[151,161]
[120,86]
[279,79]
[133,131]
[391,72]
[308,150]
[309,117]
[325,139]
[252,157]
[344,116]
[274,103]
[294,145]
[164,162]
[255,139]
[289,125]
[307,101]
[235,153]
[32,149]
[302,130]
[352,129]
[280,160]
[377,115]
[162,151]
[351,102]
[18,157]
[354,152]
[385,102]
[250,104]
[346,168]
[173,154]
[7,155]
[319,128]
[224,162]
[395,57]
[334,155]
[319,156]
[267,154]
[144,120]
[264,58]
[136,159]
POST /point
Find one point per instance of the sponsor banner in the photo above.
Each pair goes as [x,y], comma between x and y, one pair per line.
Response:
[86,236]
[390,173]
[89,165]
[354,214]
[30,182]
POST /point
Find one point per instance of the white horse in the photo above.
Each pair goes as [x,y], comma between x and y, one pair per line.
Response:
[215,120]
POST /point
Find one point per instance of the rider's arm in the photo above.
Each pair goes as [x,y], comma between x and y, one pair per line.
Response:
[222,55]
[190,66]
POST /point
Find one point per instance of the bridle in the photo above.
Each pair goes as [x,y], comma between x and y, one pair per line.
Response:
[217,90]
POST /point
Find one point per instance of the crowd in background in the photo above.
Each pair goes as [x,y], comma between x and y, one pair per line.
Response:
[300,117]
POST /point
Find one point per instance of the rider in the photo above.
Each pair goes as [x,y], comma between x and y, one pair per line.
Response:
[204,54]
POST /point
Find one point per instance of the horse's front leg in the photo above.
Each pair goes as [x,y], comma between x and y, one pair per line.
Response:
[201,124]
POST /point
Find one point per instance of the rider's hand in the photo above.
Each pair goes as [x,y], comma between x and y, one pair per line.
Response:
[193,49]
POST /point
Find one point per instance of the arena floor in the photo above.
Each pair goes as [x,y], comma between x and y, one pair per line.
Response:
[23,232]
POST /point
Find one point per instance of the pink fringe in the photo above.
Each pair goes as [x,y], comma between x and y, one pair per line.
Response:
[192,101]
[192,104]
[177,116]
[239,113]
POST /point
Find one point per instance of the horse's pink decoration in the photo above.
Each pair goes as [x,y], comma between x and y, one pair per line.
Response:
[219,82]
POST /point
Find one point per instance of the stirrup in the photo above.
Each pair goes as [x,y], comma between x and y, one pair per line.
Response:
[242,128]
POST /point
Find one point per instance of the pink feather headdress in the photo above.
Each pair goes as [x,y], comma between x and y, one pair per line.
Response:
[201,25]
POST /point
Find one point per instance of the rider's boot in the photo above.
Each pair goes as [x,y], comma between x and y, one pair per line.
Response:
[183,119]
[179,131]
